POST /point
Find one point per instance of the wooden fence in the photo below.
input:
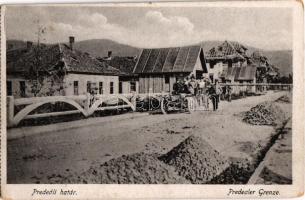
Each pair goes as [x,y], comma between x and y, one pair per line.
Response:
[256,87]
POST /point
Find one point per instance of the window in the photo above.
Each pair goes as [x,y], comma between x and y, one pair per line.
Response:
[100,88]
[9,90]
[88,87]
[120,87]
[22,88]
[133,86]
[166,79]
[111,87]
[75,86]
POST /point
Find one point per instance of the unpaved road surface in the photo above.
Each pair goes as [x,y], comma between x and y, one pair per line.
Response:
[36,158]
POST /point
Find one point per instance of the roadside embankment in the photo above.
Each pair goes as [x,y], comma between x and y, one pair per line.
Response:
[243,171]
[193,160]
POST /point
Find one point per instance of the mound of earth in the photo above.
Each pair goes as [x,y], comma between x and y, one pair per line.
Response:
[266,113]
[284,99]
[196,160]
[138,168]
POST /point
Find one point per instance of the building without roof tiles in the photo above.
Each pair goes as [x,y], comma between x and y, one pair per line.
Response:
[159,69]
[229,62]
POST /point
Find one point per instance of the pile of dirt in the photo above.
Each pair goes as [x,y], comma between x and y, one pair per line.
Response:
[138,168]
[232,175]
[196,160]
[266,113]
[284,99]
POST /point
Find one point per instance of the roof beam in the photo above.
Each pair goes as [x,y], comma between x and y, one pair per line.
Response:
[165,59]
[146,60]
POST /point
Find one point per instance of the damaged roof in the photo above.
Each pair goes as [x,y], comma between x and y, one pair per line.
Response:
[258,60]
[227,50]
[178,59]
[54,57]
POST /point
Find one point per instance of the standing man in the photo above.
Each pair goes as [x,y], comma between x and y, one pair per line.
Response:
[229,92]
[213,96]
[201,86]
[193,85]
[218,92]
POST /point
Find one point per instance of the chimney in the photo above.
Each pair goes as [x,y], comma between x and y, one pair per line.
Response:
[29,45]
[109,54]
[71,42]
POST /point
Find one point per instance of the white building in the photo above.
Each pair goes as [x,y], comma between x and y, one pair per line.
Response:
[61,70]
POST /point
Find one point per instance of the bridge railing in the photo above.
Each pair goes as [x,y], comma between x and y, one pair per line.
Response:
[88,104]
[19,109]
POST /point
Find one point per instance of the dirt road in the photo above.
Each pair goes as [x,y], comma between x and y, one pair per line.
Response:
[36,158]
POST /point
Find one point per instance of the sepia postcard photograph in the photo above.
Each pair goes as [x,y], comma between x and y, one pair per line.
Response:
[152,100]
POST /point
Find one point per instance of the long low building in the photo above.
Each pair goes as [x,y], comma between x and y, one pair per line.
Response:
[159,69]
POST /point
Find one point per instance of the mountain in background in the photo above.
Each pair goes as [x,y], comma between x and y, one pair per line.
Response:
[99,48]
[280,59]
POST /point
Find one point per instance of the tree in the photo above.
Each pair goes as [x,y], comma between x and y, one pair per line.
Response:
[34,75]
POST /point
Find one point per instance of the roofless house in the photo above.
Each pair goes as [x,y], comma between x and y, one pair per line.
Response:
[225,60]
[159,69]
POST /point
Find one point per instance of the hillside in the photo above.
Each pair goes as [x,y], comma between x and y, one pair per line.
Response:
[100,47]
[281,59]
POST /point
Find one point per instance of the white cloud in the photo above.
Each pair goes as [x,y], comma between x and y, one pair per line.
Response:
[168,24]
[90,20]
[154,30]
[151,28]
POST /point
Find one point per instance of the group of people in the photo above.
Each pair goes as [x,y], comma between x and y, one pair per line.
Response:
[199,87]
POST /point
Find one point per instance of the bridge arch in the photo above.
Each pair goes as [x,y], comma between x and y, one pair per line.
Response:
[24,112]
[97,103]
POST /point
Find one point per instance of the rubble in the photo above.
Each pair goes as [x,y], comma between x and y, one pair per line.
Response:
[234,174]
[138,168]
[192,161]
[196,160]
[266,113]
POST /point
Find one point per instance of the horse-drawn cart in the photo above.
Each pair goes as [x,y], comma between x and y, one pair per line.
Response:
[185,103]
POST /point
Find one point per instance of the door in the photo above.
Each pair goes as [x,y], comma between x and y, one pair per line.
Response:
[166,83]
[199,74]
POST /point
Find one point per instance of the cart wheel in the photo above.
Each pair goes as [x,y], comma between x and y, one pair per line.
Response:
[191,104]
[164,108]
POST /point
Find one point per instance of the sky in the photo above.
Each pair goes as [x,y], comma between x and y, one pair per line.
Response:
[153,27]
